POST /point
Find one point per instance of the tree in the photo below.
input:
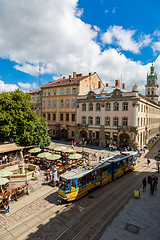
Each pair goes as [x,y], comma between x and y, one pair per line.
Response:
[18,121]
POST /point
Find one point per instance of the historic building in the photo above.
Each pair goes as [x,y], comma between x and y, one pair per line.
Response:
[36,100]
[111,115]
[59,102]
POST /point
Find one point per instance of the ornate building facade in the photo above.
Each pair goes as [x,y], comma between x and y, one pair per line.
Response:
[111,115]
[59,102]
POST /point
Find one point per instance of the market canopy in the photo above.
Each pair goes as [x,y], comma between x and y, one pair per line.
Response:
[44,155]
[34,150]
[68,150]
[3,181]
[60,148]
[5,173]
[54,157]
[75,156]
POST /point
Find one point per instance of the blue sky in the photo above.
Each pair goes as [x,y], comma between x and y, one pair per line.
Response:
[117,39]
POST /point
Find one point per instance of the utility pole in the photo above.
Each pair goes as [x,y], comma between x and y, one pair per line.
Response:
[39,77]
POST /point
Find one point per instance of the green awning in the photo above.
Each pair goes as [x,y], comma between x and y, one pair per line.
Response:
[54,157]
[75,156]
[34,150]
[44,155]
[3,181]
[60,148]
[5,173]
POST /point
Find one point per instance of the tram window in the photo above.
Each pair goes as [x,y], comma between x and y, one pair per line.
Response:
[83,180]
[68,185]
[109,169]
[73,183]
[116,166]
[134,158]
[130,160]
[120,164]
[97,174]
[79,182]
[104,169]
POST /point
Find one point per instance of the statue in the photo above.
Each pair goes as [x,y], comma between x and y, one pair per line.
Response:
[21,163]
[135,88]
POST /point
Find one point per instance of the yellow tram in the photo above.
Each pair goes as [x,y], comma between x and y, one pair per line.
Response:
[78,182]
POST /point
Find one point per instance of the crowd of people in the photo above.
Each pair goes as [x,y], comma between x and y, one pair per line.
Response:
[152,181]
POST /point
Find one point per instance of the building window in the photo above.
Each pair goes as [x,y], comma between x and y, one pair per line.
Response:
[72,133]
[67,117]
[98,107]
[98,121]
[142,108]
[90,120]
[83,120]
[38,100]
[49,93]
[54,117]
[54,103]
[44,93]
[107,137]
[90,107]
[138,122]
[138,107]
[44,104]
[68,90]
[44,115]
[116,106]
[67,102]
[115,138]
[152,92]
[61,117]
[125,121]
[54,132]
[62,91]
[73,103]
[115,121]
[141,122]
[49,103]
[125,106]
[107,121]
[74,91]
[61,103]
[73,117]
[148,92]
[90,135]
[33,99]
[49,116]
[97,135]
[108,106]
[55,92]
[83,107]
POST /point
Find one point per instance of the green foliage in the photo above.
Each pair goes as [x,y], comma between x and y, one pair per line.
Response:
[157,157]
[18,121]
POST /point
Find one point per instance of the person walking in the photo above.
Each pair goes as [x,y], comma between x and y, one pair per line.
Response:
[152,184]
[148,162]
[144,182]
[7,205]
[156,182]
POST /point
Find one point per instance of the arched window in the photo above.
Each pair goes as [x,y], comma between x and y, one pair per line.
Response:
[107,121]
[83,107]
[98,107]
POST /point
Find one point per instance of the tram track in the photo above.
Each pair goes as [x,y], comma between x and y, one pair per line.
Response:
[101,213]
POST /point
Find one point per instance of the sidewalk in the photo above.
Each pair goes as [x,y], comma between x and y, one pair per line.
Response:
[138,220]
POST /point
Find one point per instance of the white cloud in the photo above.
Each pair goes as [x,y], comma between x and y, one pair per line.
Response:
[124,39]
[156,46]
[7,87]
[52,31]
[106,11]
[114,9]
[27,85]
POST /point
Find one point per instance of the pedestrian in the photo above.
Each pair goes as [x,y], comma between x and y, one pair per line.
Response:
[37,174]
[152,184]
[50,174]
[144,182]
[149,179]
[148,162]
[156,182]
[100,158]
[7,205]
[96,155]
[47,176]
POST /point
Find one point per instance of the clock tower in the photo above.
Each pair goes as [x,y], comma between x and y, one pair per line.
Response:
[151,88]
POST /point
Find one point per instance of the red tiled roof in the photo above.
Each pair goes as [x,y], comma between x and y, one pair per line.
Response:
[60,81]
[34,91]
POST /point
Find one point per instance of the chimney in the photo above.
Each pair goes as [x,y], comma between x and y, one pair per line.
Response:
[89,74]
[64,77]
[117,84]
[123,85]
[74,74]
[107,85]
